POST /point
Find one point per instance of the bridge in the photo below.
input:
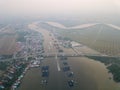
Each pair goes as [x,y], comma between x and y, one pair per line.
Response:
[77,55]
[59,55]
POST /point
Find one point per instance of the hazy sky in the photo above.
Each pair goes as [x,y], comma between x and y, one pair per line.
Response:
[49,7]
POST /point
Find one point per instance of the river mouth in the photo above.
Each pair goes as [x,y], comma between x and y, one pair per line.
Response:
[88,75]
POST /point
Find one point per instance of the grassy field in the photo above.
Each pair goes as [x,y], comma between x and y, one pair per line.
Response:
[7,41]
[7,44]
[100,37]
[8,38]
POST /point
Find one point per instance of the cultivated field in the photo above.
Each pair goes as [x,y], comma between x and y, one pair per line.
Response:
[100,37]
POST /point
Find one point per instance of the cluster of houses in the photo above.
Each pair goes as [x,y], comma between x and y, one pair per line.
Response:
[69,44]
[65,43]
[18,81]
[35,63]
[13,75]
[34,44]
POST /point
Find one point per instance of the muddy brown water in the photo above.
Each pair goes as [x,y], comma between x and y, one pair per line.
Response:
[88,75]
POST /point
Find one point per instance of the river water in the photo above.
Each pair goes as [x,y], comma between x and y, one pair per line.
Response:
[88,75]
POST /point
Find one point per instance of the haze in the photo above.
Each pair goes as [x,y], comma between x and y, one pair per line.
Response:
[51,7]
[59,44]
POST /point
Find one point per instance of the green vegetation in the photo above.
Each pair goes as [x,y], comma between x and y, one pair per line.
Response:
[115,70]
[3,65]
[12,70]
[112,63]
[15,76]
